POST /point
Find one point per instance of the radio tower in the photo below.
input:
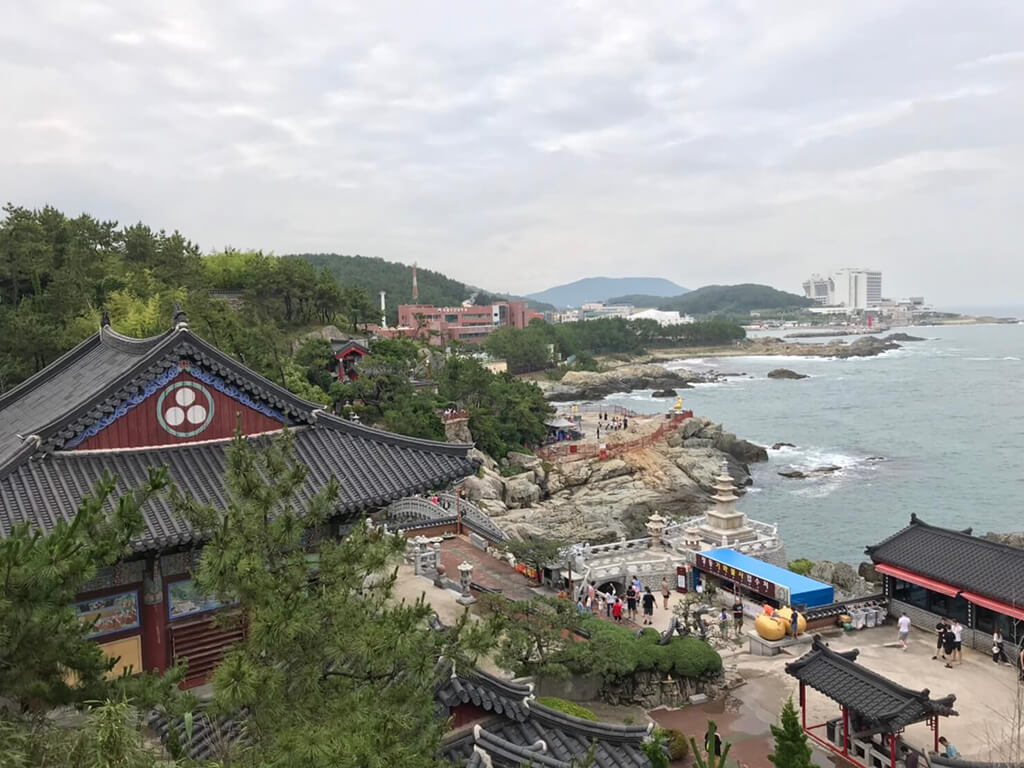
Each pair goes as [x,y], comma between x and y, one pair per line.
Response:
[415,285]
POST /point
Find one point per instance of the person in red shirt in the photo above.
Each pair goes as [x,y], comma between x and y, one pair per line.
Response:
[617,609]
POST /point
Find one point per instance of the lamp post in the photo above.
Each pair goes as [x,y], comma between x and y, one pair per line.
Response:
[465,578]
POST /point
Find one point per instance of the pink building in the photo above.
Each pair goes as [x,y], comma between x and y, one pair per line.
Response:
[467,324]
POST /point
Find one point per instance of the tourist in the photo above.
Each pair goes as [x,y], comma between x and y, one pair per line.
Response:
[794,625]
[591,597]
[904,630]
[609,601]
[713,749]
[737,614]
[998,653]
[625,423]
[948,644]
[958,640]
[637,586]
[910,757]
[664,592]
[617,609]
[631,594]
[648,601]
[723,622]
[940,633]
[948,750]
[699,586]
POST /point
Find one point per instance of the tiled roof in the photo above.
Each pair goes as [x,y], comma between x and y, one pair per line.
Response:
[956,558]
[211,738]
[43,479]
[885,704]
[525,730]
[70,382]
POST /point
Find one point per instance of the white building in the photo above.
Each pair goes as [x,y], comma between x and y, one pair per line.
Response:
[856,288]
[595,310]
[662,317]
[818,288]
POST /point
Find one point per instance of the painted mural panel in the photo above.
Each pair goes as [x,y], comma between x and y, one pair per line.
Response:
[183,599]
[186,405]
[111,613]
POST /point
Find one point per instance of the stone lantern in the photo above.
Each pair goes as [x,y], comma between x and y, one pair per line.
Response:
[655,528]
[465,578]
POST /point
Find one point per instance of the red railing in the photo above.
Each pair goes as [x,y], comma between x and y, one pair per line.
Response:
[588,450]
[453,415]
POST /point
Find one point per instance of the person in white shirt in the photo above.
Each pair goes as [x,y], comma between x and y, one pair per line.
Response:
[904,625]
[958,640]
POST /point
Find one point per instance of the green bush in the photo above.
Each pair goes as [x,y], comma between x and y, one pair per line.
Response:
[615,652]
[677,743]
[567,707]
[802,566]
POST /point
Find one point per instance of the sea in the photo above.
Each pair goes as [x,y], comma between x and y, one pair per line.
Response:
[934,428]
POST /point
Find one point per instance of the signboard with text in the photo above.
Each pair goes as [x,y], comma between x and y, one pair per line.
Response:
[735,575]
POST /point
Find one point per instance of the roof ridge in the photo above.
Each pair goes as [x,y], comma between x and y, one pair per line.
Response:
[48,372]
[381,435]
[606,731]
[962,535]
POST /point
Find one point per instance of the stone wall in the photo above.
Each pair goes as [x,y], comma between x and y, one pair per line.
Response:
[645,689]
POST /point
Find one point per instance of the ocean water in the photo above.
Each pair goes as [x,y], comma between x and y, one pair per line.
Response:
[935,428]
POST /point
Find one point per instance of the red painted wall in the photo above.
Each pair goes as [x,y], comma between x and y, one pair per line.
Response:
[186,410]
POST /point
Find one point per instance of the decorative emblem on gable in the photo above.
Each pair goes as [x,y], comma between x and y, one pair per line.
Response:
[185,408]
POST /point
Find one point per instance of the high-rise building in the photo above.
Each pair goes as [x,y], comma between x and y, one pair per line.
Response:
[856,288]
[818,288]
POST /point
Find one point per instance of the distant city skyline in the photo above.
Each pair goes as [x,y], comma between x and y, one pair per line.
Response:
[521,146]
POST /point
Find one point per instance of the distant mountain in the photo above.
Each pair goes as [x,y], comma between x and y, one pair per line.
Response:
[734,299]
[603,288]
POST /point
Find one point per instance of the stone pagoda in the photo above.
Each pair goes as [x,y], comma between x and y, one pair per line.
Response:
[724,525]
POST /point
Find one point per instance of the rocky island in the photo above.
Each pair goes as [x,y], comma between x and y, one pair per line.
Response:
[589,385]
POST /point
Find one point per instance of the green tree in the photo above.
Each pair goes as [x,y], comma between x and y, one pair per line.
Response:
[46,657]
[538,552]
[357,306]
[533,633]
[791,747]
[333,670]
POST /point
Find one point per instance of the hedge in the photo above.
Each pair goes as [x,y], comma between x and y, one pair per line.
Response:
[614,652]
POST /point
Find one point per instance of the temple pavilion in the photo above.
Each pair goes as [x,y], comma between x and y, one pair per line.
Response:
[123,405]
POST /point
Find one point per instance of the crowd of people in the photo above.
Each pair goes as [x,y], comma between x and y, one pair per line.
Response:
[949,644]
[615,424]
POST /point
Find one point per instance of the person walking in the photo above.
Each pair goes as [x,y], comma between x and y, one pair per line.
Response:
[794,625]
[910,758]
[940,632]
[948,750]
[958,640]
[631,602]
[648,601]
[609,601]
[591,598]
[723,623]
[665,593]
[998,652]
[904,630]
[617,609]
[737,614]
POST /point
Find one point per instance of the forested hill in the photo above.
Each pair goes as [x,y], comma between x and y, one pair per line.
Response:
[726,299]
[374,275]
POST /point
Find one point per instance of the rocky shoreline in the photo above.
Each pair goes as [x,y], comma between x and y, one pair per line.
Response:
[601,501]
[865,346]
[589,385]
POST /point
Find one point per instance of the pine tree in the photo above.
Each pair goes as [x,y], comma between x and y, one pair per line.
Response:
[791,747]
[333,671]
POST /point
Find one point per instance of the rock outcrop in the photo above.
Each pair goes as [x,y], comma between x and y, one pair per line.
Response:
[903,337]
[599,501]
[588,385]
[865,346]
[800,474]
[785,373]
[664,393]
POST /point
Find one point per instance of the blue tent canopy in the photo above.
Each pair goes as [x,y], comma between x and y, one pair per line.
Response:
[764,578]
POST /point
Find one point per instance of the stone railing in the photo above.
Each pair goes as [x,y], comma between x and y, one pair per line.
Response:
[627,545]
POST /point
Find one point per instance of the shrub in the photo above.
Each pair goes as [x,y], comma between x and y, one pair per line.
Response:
[567,707]
[678,746]
[802,566]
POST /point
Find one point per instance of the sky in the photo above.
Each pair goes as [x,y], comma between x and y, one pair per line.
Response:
[518,145]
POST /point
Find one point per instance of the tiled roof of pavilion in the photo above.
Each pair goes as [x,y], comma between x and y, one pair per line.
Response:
[43,420]
[956,558]
[886,705]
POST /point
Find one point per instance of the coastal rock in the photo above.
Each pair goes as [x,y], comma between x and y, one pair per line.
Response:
[529,463]
[457,431]
[869,573]
[866,346]
[488,484]
[903,337]
[663,393]
[484,460]
[785,373]
[1010,539]
[801,474]
[521,491]
[780,446]
[590,385]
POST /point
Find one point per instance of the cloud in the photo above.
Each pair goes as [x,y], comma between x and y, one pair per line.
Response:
[515,146]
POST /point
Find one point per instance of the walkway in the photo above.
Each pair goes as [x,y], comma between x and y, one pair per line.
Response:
[488,571]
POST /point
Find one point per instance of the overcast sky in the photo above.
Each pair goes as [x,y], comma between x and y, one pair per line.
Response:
[517,145]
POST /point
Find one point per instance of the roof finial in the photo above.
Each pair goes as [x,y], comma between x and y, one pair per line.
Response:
[180,319]
[105,319]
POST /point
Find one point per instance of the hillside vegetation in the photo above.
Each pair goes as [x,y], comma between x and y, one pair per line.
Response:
[725,300]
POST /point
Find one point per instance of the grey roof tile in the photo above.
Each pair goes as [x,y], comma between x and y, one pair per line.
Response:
[882,702]
[956,558]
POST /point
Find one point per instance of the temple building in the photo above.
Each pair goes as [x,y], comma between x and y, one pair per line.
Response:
[123,405]
[931,573]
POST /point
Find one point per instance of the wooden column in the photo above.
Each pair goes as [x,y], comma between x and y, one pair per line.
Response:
[846,731]
[803,706]
[892,750]
[154,618]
